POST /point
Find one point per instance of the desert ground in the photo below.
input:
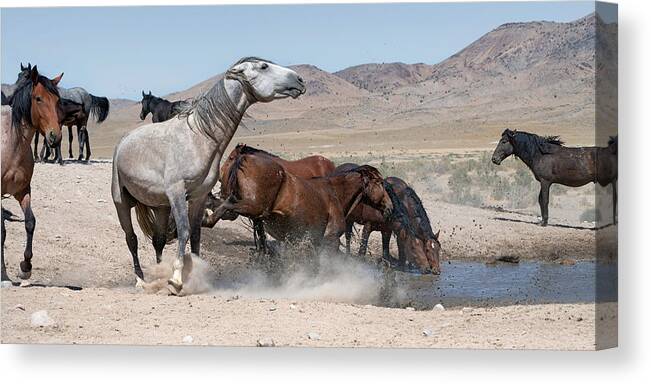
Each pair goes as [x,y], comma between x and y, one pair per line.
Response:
[83,274]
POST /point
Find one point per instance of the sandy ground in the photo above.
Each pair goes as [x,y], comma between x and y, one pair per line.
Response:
[78,242]
[105,316]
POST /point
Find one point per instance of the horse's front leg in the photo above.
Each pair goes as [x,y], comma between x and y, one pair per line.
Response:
[258,229]
[363,242]
[36,157]
[179,208]
[214,217]
[80,138]
[543,200]
[30,224]
[349,235]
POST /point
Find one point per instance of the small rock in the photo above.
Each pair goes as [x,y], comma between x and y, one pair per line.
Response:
[41,319]
[292,306]
[466,310]
[68,202]
[232,298]
[101,201]
[188,339]
[266,342]
[509,259]
[579,319]
[272,309]
[19,307]
[439,307]
[410,308]
[6,284]
[427,332]
[567,262]
[313,336]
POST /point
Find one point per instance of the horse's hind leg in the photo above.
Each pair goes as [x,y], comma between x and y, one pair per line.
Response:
[179,208]
[386,241]
[30,224]
[159,238]
[124,216]
[57,153]
[80,139]
[543,200]
[70,138]
[4,276]
[614,201]
[87,142]
[261,236]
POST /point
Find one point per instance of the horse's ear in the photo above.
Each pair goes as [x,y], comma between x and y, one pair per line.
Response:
[57,79]
[436,235]
[143,93]
[34,75]
[22,68]
[150,92]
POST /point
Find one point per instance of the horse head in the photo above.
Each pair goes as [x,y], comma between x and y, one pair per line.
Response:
[146,108]
[265,81]
[505,147]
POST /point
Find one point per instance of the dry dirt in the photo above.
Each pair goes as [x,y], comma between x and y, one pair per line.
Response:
[78,242]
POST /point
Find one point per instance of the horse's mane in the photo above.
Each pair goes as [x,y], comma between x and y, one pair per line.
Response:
[399,212]
[421,213]
[154,98]
[21,104]
[528,144]
[367,171]
[246,150]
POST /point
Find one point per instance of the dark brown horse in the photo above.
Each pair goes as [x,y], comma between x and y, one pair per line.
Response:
[409,221]
[296,209]
[551,162]
[34,107]
[306,168]
[73,114]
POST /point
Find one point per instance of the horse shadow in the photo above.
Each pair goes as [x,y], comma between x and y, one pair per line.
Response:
[565,226]
[40,285]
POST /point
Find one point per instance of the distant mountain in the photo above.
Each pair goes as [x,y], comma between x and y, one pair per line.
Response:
[537,76]
[385,77]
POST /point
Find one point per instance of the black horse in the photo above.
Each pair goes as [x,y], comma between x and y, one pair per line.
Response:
[551,162]
[161,109]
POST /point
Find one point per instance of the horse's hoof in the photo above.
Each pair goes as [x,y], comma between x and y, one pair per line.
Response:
[140,284]
[25,283]
[174,287]
[24,275]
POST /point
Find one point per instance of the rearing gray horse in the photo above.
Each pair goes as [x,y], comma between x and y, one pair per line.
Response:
[170,167]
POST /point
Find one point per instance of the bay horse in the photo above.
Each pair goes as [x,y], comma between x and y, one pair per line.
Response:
[170,167]
[305,168]
[552,162]
[297,209]
[73,114]
[34,107]
[409,221]
[92,106]
[160,109]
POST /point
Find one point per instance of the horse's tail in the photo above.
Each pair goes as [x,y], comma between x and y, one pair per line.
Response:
[7,215]
[99,106]
[147,220]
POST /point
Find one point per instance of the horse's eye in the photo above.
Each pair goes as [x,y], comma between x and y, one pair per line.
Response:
[264,66]
[38,99]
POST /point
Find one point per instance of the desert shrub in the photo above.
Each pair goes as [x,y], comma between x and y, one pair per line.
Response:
[460,185]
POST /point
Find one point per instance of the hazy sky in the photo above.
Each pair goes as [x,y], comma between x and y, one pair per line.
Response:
[117,51]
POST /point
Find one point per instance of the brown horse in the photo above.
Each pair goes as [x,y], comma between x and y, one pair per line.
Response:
[34,107]
[73,114]
[409,221]
[305,168]
[296,209]
[551,162]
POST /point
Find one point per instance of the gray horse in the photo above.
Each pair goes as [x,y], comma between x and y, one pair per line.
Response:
[170,167]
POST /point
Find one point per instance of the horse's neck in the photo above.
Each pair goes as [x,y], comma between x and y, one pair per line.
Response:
[528,155]
[345,190]
[236,93]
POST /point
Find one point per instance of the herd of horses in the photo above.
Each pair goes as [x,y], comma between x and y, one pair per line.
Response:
[310,200]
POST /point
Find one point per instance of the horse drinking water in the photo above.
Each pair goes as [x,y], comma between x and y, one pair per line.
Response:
[551,162]
[34,107]
[170,167]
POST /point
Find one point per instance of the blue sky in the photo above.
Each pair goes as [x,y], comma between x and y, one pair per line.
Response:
[117,51]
